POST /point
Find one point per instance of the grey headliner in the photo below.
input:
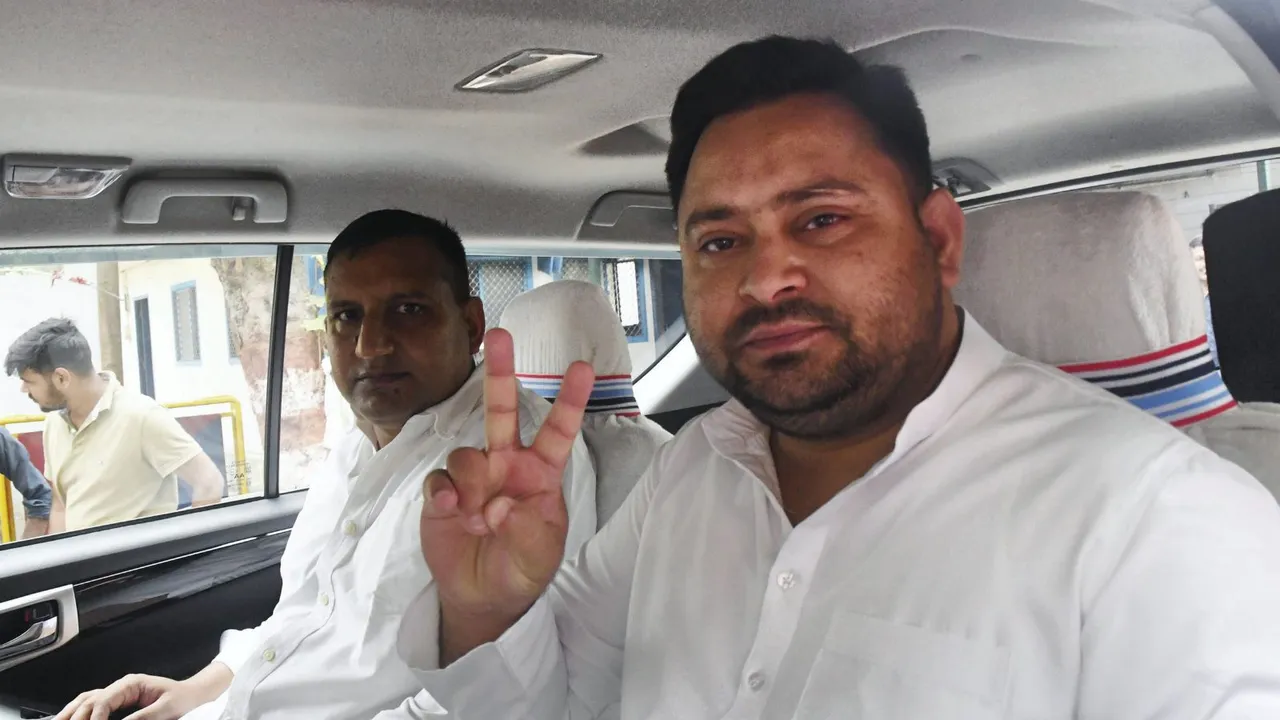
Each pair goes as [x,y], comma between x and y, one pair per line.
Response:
[353,102]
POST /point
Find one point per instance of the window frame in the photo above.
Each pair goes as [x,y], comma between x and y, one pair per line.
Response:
[179,524]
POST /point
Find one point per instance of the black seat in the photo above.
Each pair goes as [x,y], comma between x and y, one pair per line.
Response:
[1242,257]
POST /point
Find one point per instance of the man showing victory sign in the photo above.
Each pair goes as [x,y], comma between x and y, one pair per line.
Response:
[894,517]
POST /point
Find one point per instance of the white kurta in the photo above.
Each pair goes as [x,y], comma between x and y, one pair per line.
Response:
[1033,548]
[353,607]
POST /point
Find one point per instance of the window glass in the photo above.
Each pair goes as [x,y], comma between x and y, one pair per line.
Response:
[645,294]
[154,425]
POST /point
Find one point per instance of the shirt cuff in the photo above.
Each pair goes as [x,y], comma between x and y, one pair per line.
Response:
[236,648]
[507,673]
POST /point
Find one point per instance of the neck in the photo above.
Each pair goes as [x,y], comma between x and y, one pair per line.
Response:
[811,472]
[380,436]
[86,397]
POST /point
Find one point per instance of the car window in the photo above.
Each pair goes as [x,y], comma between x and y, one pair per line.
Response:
[178,338]
[646,294]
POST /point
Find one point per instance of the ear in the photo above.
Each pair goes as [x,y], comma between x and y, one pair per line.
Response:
[473,316]
[943,223]
[60,378]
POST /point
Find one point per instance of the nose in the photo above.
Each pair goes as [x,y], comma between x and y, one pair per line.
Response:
[776,272]
[374,339]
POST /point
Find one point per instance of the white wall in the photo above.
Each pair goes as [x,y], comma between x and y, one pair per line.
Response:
[216,373]
[31,295]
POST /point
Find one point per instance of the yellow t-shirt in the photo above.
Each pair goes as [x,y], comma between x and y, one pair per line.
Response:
[121,463]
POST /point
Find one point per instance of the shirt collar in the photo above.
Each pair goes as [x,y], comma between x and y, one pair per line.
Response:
[738,435]
[103,405]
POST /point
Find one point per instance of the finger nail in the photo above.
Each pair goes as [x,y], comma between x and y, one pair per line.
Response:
[443,500]
[476,525]
[497,511]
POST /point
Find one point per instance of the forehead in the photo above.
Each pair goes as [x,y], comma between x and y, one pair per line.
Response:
[389,267]
[745,159]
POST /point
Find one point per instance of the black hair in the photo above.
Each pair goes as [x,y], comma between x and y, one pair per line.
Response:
[54,343]
[762,71]
[380,226]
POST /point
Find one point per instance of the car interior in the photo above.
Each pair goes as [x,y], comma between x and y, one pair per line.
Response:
[174,170]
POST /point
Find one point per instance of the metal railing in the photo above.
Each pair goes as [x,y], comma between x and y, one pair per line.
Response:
[8,525]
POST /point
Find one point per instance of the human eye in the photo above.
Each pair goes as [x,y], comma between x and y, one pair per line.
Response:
[716,245]
[823,220]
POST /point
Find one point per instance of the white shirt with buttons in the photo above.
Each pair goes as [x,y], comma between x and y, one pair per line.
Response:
[1032,548]
[354,609]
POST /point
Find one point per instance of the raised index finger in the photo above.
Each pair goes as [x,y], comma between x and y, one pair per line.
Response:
[501,391]
[554,441]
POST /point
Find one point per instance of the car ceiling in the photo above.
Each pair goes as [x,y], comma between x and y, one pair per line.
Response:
[354,102]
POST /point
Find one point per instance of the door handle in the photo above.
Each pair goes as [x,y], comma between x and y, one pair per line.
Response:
[35,637]
[48,620]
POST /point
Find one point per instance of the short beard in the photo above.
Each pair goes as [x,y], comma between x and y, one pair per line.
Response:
[858,393]
[58,405]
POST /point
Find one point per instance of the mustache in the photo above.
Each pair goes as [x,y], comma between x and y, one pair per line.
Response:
[793,309]
[366,370]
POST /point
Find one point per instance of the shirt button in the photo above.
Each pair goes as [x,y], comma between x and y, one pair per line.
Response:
[349,528]
[787,580]
[755,681]
[324,599]
[269,655]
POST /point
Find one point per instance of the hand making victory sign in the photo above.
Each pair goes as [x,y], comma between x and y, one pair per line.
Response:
[494,521]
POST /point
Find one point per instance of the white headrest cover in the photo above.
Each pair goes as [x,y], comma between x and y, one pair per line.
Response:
[1081,277]
[565,321]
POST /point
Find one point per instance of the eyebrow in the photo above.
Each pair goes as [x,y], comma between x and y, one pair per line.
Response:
[398,297]
[787,197]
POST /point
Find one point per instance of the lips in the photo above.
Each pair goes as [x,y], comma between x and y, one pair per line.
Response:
[381,379]
[783,336]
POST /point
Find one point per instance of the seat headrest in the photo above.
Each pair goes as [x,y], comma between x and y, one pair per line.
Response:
[1242,258]
[1082,277]
[563,322]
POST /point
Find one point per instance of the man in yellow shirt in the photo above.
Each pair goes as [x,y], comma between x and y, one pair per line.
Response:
[111,454]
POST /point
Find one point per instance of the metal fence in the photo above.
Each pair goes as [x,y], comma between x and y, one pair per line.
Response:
[498,280]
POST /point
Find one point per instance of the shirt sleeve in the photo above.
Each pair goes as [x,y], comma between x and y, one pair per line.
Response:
[15,464]
[563,659]
[1180,616]
[166,445]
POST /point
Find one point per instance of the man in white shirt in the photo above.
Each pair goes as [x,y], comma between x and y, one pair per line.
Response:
[894,518]
[402,332]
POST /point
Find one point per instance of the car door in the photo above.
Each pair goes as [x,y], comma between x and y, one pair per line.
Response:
[225,325]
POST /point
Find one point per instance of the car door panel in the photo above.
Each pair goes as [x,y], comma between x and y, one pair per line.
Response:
[156,616]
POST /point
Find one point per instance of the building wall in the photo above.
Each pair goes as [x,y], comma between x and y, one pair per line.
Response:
[35,294]
[216,373]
